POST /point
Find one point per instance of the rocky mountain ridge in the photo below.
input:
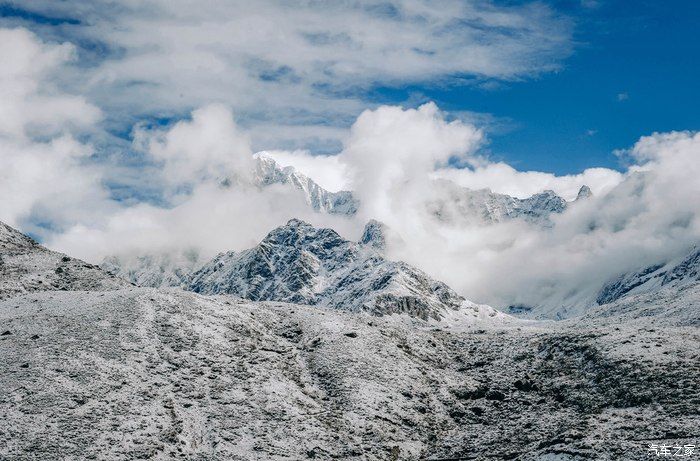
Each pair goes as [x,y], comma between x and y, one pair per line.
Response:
[298,263]
[462,206]
[676,272]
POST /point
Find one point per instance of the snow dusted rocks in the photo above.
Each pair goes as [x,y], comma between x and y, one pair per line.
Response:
[458,205]
[165,374]
[26,266]
[298,263]
[374,235]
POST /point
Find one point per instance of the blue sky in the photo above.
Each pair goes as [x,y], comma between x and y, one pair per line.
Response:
[634,71]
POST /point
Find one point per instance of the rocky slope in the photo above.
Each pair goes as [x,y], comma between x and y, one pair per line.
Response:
[153,374]
[26,266]
[298,263]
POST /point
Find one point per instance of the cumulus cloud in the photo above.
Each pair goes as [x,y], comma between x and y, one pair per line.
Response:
[208,146]
[46,178]
[648,217]
[52,183]
[391,151]
[205,167]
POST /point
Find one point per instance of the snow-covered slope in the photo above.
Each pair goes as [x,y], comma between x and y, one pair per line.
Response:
[458,205]
[166,374]
[670,304]
[26,266]
[675,273]
[298,263]
[267,172]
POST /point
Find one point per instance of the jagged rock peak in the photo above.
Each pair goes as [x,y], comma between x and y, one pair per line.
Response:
[584,192]
[374,234]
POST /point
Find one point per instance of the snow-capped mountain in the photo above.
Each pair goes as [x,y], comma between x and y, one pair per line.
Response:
[451,202]
[157,270]
[299,263]
[458,205]
[26,266]
[583,193]
[267,172]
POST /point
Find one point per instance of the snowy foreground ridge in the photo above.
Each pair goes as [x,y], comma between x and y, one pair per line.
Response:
[93,367]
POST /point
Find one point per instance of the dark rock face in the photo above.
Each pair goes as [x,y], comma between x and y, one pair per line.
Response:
[298,263]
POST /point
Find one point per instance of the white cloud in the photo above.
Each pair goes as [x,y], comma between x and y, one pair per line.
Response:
[208,146]
[45,173]
[504,179]
[302,63]
[391,152]
[51,183]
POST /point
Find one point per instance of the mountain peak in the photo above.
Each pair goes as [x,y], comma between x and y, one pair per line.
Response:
[294,222]
[374,234]
[584,192]
[268,171]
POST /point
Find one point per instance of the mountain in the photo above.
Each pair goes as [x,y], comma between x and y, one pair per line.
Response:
[298,263]
[676,272]
[267,172]
[458,205]
[114,371]
[583,193]
[451,203]
[26,266]
[374,235]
